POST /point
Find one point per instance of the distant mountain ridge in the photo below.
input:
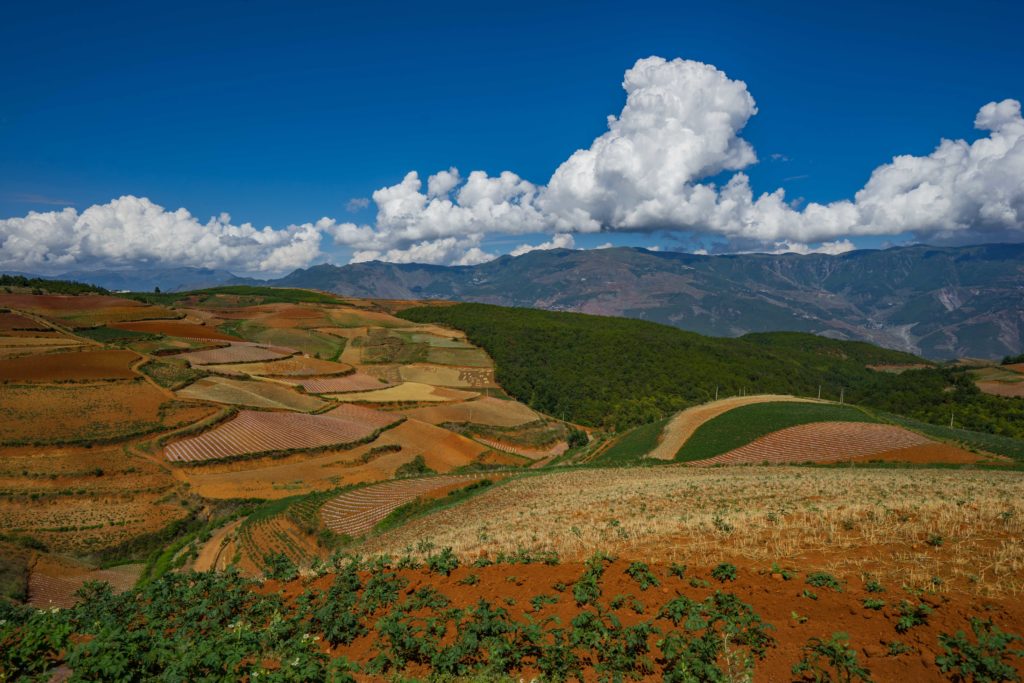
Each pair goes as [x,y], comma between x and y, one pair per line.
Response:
[938,302]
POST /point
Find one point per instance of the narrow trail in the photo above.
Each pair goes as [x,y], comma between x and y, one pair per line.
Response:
[682,426]
[210,554]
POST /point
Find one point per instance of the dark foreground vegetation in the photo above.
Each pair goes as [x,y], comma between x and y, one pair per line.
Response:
[246,295]
[432,618]
[618,372]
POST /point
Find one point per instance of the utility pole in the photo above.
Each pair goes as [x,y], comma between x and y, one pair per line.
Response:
[819,392]
[951,419]
[842,391]
[716,392]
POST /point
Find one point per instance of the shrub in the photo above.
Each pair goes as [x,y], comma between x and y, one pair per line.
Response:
[676,569]
[912,615]
[443,562]
[641,573]
[988,659]
[823,657]
[823,580]
[280,567]
[873,603]
[724,572]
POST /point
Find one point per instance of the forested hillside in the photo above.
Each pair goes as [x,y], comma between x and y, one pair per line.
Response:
[617,372]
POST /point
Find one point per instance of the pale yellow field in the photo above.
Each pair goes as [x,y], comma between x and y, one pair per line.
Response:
[447,376]
[411,392]
[486,411]
[846,521]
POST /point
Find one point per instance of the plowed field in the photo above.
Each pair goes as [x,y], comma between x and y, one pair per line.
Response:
[237,353]
[252,393]
[355,512]
[447,376]
[294,366]
[56,587]
[407,392]
[485,411]
[820,442]
[1008,389]
[74,366]
[13,321]
[252,432]
[329,385]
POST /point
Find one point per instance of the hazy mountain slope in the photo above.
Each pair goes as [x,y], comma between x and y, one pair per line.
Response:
[938,302]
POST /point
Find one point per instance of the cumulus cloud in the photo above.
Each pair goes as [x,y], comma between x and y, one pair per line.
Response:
[673,159]
[357,204]
[832,248]
[134,230]
[560,241]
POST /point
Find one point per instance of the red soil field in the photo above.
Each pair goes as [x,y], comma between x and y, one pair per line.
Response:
[237,353]
[1016,367]
[376,419]
[794,619]
[59,302]
[175,328]
[1007,389]
[531,453]
[12,321]
[53,584]
[820,442]
[263,432]
[339,385]
[70,366]
[356,512]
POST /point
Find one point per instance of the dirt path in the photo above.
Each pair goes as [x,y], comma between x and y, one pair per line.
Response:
[684,424]
[210,554]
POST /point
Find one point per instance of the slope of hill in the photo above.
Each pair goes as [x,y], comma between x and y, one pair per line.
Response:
[937,302]
[620,372]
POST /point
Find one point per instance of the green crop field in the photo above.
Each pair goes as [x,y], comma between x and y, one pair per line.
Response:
[740,426]
[634,445]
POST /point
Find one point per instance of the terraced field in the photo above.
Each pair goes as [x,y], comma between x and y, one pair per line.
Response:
[819,442]
[294,366]
[237,352]
[175,328]
[253,393]
[74,366]
[46,589]
[447,376]
[407,392]
[339,385]
[485,411]
[356,512]
[253,432]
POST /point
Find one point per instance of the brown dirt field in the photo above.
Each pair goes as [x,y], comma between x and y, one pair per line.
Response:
[75,366]
[52,414]
[85,310]
[13,321]
[534,454]
[848,521]
[511,587]
[819,442]
[295,474]
[39,341]
[53,582]
[407,392]
[485,410]
[682,426]
[328,385]
[1007,389]
[1016,367]
[293,366]
[175,328]
[253,393]
[354,513]
[277,534]
[441,449]
[447,376]
[929,454]
[897,368]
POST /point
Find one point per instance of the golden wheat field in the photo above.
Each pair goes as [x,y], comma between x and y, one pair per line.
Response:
[952,530]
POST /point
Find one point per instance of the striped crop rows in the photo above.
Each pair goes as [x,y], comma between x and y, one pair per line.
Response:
[354,513]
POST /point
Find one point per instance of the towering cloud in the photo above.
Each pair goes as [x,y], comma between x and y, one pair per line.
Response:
[681,125]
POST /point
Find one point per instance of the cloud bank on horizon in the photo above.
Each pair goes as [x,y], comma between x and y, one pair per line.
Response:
[649,171]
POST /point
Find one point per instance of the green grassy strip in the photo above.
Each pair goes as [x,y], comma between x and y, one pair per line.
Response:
[107,335]
[633,446]
[740,426]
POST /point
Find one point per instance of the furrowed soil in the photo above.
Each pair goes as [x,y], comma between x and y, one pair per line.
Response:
[794,619]
[685,423]
[175,328]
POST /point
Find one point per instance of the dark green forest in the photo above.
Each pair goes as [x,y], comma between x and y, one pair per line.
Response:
[618,372]
[50,286]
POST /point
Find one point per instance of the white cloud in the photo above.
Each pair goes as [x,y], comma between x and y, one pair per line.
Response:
[357,204]
[606,245]
[134,230]
[832,248]
[560,241]
[650,170]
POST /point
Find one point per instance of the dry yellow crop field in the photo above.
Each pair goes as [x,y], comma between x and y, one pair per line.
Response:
[947,530]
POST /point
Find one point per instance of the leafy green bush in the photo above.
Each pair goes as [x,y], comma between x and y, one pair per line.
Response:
[642,574]
[822,658]
[724,572]
[443,562]
[989,658]
[280,567]
[912,615]
[824,580]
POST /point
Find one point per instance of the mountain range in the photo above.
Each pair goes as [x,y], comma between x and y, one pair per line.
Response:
[939,302]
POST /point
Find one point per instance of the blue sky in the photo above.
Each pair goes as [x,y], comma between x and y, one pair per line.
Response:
[281,113]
